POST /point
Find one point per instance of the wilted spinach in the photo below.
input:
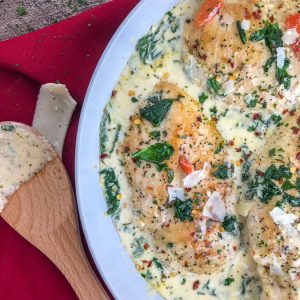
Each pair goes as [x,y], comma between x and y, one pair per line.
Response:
[183,210]
[156,154]
[111,189]
[156,110]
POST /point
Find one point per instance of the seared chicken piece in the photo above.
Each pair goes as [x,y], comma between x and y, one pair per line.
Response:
[274,226]
[184,233]
[216,50]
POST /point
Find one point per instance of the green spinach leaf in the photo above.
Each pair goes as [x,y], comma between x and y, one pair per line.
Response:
[231,225]
[156,111]
[223,171]
[242,32]
[156,154]
[112,189]
[292,200]
[183,210]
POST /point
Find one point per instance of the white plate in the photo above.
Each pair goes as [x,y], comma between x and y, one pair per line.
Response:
[112,261]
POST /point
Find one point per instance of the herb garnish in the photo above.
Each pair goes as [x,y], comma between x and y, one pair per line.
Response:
[214,86]
[228,281]
[202,98]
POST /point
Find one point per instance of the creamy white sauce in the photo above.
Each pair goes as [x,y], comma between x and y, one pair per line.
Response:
[22,154]
[233,124]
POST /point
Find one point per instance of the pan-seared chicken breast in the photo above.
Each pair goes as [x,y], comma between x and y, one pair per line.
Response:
[242,67]
[274,223]
[184,211]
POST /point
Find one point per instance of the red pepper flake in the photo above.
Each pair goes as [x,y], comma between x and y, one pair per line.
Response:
[256,116]
[203,57]
[257,133]
[146,246]
[271,18]
[234,248]
[292,113]
[103,156]
[187,189]
[114,93]
[199,119]
[196,285]
[298,156]
[295,130]
[149,264]
[238,150]
[280,181]
[260,173]
[285,111]
[257,14]
[207,243]
[230,143]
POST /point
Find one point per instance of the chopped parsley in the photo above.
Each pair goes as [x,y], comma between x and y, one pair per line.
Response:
[228,281]
[202,98]
[214,86]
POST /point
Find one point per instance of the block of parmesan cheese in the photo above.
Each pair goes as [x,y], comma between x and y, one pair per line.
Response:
[53,113]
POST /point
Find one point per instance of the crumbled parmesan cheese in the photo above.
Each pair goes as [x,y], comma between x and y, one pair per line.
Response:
[215,207]
[175,193]
[229,87]
[290,36]
[195,177]
[245,25]
[280,57]
[281,218]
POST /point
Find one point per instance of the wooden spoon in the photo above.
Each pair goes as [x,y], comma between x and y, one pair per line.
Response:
[43,211]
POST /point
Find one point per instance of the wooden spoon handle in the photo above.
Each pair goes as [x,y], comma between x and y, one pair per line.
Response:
[43,211]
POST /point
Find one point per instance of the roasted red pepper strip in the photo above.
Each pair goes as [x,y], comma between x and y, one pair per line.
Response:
[208,10]
[293,21]
[185,165]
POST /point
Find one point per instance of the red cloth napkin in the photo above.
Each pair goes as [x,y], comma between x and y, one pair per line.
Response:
[68,53]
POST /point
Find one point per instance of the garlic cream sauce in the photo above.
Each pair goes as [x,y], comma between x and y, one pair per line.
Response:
[238,279]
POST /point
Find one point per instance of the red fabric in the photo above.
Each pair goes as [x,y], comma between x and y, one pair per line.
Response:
[66,52]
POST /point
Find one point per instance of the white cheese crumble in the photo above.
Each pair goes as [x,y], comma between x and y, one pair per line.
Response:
[281,218]
[290,36]
[280,57]
[175,193]
[229,87]
[245,25]
[215,207]
[196,177]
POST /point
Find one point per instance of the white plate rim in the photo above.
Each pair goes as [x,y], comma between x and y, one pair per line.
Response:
[110,257]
